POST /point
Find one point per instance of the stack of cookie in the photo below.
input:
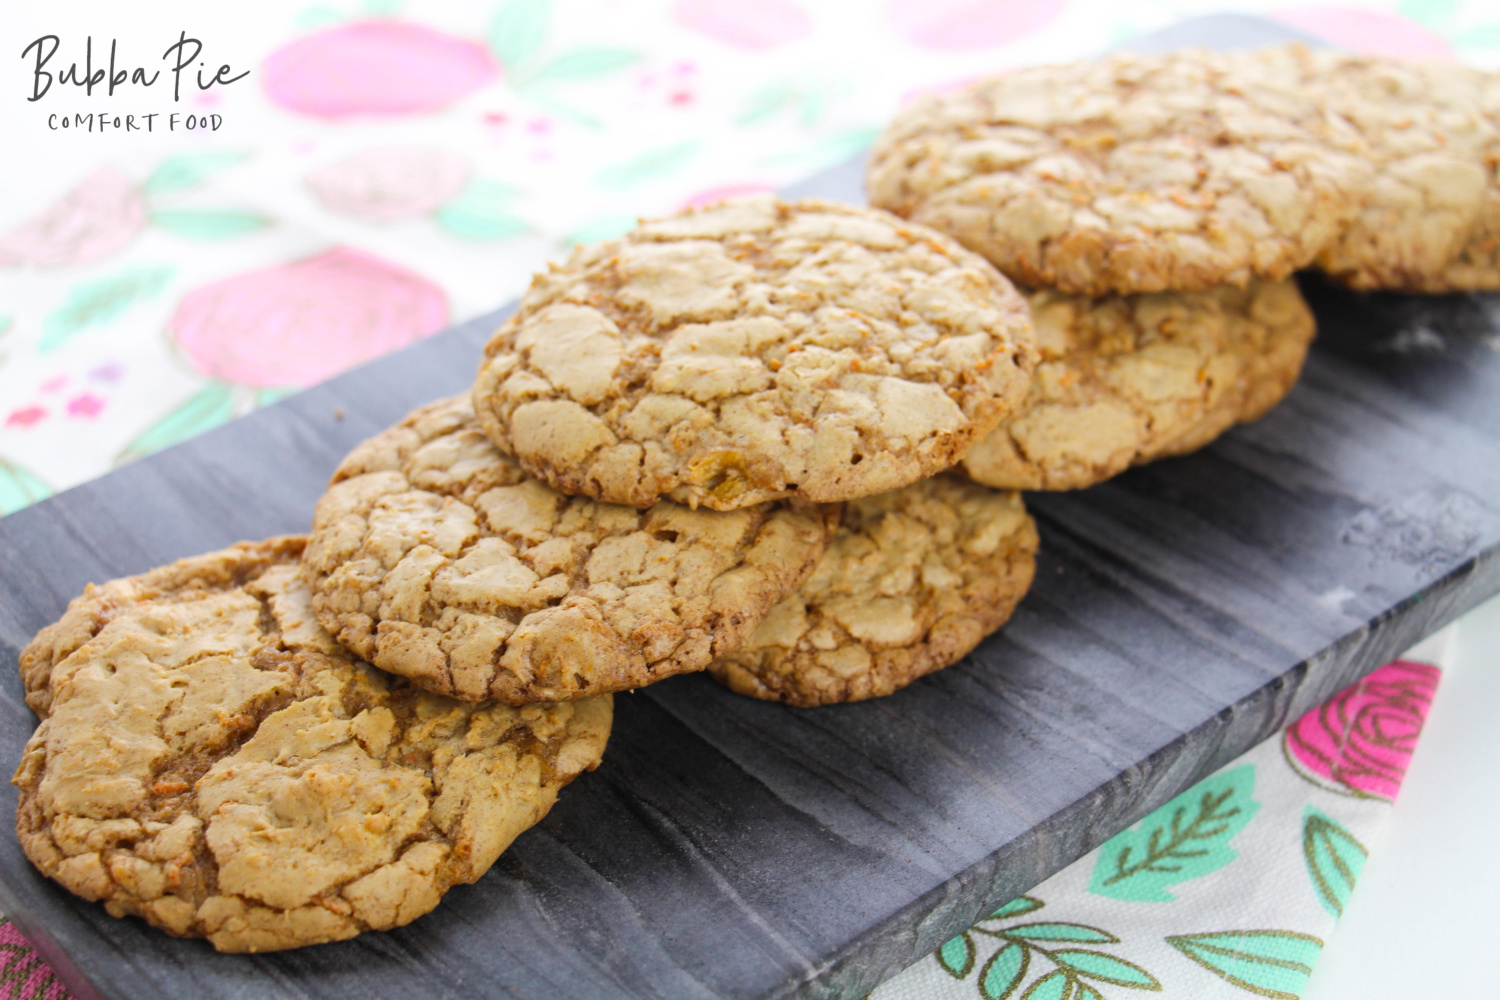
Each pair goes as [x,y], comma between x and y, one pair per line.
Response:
[1156,206]
[709,445]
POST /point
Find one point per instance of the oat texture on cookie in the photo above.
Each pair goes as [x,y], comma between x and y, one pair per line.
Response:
[1179,171]
[914,580]
[212,761]
[1128,379]
[1429,220]
[754,350]
[437,557]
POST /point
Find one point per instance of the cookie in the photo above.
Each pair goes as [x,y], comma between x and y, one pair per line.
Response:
[1430,221]
[1127,379]
[914,580]
[435,556]
[212,761]
[1180,171]
[754,350]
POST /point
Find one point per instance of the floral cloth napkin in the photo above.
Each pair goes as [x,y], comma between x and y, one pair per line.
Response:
[1231,889]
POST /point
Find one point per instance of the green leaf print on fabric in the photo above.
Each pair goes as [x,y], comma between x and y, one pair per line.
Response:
[1019,906]
[1074,933]
[1267,963]
[956,956]
[1053,986]
[831,148]
[1005,970]
[208,224]
[182,172]
[209,407]
[19,487]
[1022,947]
[482,212]
[1184,839]
[649,165]
[1334,860]
[98,302]
[517,31]
[581,64]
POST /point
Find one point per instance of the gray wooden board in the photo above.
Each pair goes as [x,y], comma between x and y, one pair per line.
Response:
[1182,613]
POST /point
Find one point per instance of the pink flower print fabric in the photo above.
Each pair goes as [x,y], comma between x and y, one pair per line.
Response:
[390,183]
[1360,740]
[375,68]
[98,217]
[299,323]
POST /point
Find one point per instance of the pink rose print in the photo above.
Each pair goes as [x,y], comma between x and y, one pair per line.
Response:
[25,416]
[375,68]
[763,24]
[969,24]
[95,219]
[86,405]
[1359,741]
[1369,32]
[384,185]
[302,322]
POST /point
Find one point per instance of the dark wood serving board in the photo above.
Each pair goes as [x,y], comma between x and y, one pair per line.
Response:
[732,848]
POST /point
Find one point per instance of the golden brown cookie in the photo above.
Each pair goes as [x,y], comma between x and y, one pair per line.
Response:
[436,557]
[1179,171]
[1128,379]
[212,761]
[1430,219]
[914,580]
[754,350]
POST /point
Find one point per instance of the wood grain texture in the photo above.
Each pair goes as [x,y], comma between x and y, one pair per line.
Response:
[733,848]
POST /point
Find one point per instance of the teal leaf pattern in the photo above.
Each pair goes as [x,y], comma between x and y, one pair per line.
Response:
[1267,963]
[517,31]
[208,224]
[205,409]
[1334,860]
[1005,970]
[956,956]
[649,165]
[182,172]
[1054,985]
[1105,968]
[1184,839]
[583,64]
[19,487]
[99,302]
[482,212]
[1020,906]
[1072,933]
[1020,948]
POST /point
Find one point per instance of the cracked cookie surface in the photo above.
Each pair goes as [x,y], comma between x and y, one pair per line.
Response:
[1430,218]
[1127,379]
[433,555]
[754,350]
[914,580]
[212,761]
[1180,171]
